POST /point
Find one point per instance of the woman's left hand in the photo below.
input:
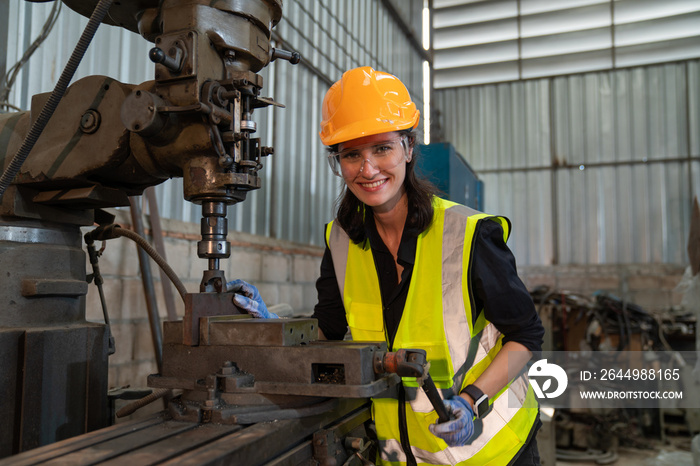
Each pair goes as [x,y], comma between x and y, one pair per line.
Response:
[459,430]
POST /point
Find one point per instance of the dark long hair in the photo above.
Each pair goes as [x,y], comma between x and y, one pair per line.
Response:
[420,192]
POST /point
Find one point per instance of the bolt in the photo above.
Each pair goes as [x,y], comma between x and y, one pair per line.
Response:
[225,161]
[228,368]
[87,120]
[90,121]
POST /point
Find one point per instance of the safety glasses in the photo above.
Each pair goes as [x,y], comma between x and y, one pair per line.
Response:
[384,155]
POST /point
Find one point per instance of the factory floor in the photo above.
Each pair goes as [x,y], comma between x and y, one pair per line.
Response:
[636,458]
[675,453]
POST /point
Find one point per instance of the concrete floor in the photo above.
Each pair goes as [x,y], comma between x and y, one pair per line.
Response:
[636,458]
[664,455]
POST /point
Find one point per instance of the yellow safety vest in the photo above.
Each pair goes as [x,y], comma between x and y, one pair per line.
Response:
[437,317]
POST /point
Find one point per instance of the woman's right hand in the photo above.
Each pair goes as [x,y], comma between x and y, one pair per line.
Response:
[248,299]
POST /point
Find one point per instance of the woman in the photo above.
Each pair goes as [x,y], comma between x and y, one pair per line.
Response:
[406,267]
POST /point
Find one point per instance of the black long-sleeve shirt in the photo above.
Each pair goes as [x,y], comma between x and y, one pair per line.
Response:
[495,284]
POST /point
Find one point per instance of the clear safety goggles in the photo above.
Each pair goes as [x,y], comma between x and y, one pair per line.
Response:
[384,155]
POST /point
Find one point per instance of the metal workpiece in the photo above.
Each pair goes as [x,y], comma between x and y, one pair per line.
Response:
[197,307]
[244,330]
[283,356]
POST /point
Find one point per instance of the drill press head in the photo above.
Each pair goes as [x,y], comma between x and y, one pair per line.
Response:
[195,120]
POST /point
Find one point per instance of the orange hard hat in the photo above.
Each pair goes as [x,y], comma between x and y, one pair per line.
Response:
[366,102]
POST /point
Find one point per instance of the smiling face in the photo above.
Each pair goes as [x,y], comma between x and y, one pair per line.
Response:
[377,187]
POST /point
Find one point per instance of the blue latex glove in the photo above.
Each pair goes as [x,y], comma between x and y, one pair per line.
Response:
[247,298]
[459,430]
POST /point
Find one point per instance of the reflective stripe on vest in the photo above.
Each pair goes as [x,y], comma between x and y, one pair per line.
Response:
[458,347]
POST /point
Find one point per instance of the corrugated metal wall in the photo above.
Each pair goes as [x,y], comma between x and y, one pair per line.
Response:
[114,52]
[332,35]
[486,41]
[591,168]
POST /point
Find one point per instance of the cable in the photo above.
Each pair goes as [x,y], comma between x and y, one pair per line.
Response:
[99,281]
[10,106]
[115,231]
[42,120]
[156,257]
[12,73]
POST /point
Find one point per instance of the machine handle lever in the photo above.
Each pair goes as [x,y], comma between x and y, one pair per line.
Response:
[432,393]
[174,64]
[292,57]
[413,363]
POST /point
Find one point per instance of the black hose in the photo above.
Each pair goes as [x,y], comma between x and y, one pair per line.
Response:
[42,120]
[156,257]
[114,231]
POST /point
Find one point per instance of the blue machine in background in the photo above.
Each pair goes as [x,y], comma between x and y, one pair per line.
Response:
[450,173]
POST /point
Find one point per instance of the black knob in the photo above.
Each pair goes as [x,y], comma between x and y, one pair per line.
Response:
[156,55]
[291,57]
[173,62]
